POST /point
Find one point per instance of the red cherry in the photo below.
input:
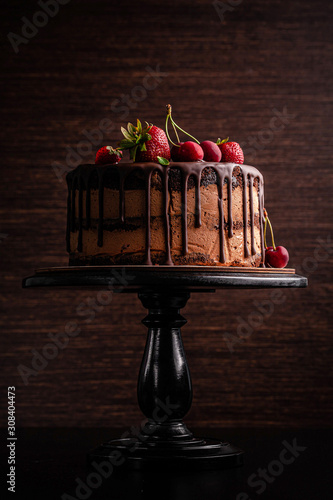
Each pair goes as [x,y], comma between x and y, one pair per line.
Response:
[190,151]
[211,151]
[276,258]
[175,151]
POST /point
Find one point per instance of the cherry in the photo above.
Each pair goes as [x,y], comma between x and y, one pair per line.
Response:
[278,257]
[190,151]
[175,150]
[274,256]
[182,151]
[211,151]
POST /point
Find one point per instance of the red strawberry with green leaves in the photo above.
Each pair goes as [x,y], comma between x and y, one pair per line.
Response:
[147,143]
[231,151]
[107,155]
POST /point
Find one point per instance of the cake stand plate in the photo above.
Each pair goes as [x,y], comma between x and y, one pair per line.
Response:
[164,384]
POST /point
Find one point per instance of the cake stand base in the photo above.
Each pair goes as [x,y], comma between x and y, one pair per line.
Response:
[195,453]
[164,384]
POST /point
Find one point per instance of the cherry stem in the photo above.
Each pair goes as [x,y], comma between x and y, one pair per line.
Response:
[265,229]
[174,125]
[271,229]
[272,234]
[175,131]
[167,132]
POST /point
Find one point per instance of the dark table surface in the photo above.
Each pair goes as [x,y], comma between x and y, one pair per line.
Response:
[51,463]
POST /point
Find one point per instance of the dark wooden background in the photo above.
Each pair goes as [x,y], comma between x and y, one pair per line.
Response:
[223,79]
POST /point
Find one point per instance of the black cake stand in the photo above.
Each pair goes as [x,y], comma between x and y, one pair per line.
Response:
[164,384]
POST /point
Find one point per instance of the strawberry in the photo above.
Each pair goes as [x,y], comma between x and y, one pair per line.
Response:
[231,151]
[107,155]
[146,144]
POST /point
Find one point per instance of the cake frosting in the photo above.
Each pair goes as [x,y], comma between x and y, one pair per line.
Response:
[184,213]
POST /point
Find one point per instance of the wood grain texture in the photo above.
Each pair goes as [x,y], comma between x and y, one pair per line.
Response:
[225,78]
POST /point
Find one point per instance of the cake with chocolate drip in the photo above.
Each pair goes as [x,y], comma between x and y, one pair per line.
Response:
[183,213]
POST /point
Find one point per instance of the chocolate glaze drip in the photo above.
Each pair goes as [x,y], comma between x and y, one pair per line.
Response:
[246,250]
[221,213]
[197,203]
[69,214]
[184,212]
[122,198]
[79,243]
[261,218]
[73,184]
[167,220]
[100,207]
[231,223]
[148,261]
[81,179]
[88,204]
[222,176]
[253,250]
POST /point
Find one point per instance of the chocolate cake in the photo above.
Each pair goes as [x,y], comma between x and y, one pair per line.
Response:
[195,213]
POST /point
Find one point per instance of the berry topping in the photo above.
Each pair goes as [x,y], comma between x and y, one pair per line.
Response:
[175,150]
[145,144]
[231,151]
[211,151]
[107,155]
[278,257]
[187,151]
[274,256]
[190,151]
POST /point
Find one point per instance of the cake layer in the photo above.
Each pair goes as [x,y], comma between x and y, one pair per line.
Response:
[185,213]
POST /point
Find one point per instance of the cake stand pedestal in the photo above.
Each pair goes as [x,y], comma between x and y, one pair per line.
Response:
[164,384]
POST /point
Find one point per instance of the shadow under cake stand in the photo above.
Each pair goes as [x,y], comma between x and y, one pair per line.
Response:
[164,384]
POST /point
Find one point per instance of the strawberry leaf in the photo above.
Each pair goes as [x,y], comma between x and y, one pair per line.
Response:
[219,141]
[162,161]
[138,126]
[148,126]
[126,144]
[114,151]
[146,137]
[135,138]
[126,134]
[131,129]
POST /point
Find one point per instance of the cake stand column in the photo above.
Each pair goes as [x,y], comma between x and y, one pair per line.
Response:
[165,396]
[164,385]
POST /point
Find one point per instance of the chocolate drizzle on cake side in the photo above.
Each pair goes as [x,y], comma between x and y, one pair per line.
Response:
[177,176]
